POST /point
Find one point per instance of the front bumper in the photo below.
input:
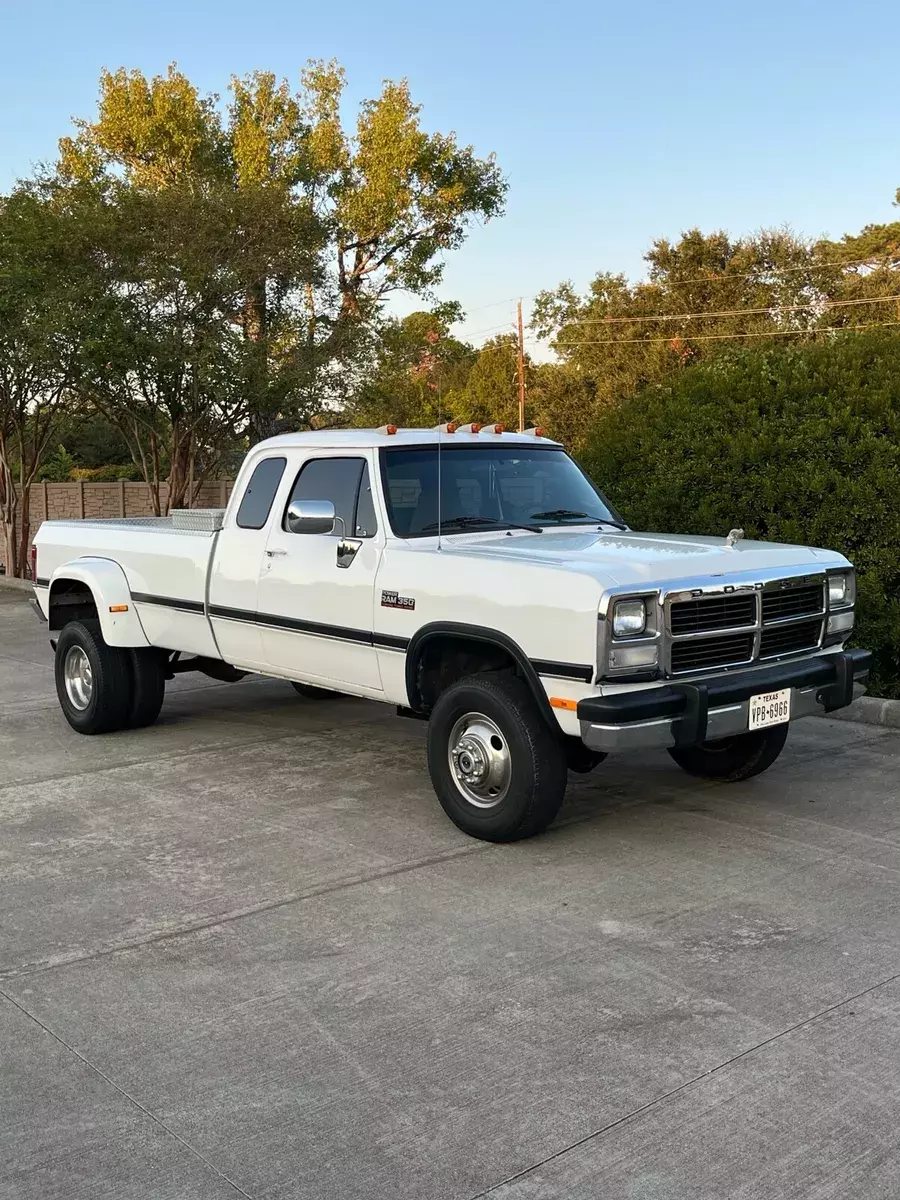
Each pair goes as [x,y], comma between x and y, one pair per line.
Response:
[684,714]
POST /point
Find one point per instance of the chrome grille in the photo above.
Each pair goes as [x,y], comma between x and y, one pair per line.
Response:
[713,612]
[790,638]
[793,602]
[707,631]
[700,654]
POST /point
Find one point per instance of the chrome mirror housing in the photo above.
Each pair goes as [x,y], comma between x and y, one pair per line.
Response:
[310,516]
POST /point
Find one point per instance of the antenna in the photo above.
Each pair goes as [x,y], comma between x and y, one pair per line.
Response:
[440,486]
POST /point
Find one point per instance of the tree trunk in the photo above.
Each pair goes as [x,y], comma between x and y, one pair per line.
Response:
[25,527]
[263,419]
[181,470]
[9,503]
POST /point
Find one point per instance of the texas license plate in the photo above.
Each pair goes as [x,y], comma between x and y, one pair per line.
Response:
[770,708]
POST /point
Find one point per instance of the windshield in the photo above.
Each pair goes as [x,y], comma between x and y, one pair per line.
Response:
[485,487]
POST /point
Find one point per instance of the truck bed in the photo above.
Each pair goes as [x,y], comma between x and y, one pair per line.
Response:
[163,558]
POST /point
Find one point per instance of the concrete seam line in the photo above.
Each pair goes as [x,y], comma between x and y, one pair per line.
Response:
[266,906]
[683,1087]
[126,1095]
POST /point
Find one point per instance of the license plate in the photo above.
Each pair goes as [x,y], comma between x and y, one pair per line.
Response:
[770,708]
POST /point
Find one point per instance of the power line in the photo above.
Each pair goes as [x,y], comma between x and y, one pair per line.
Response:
[510,324]
[871,260]
[718,337]
[732,312]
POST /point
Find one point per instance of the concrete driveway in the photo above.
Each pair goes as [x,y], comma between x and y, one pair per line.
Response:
[243,953]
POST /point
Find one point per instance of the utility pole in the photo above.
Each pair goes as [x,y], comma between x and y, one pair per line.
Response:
[521,369]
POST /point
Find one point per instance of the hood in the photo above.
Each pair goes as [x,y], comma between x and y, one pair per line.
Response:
[641,559]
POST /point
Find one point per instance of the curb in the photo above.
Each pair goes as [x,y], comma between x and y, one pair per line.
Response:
[870,710]
[12,584]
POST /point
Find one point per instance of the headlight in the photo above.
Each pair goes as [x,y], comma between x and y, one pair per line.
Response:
[629,618]
[841,590]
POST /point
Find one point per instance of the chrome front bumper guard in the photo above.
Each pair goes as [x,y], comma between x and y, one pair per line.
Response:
[685,714]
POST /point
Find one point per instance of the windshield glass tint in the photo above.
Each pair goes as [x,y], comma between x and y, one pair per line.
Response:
[492,484]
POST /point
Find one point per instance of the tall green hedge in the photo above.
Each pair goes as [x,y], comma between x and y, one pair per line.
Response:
[794,443]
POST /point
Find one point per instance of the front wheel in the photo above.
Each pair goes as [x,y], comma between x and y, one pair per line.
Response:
[735,758]
[497,767]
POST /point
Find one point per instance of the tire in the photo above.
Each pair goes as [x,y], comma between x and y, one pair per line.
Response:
[314,693]
[510,802]
[733,759]
[104,705]
[149,686]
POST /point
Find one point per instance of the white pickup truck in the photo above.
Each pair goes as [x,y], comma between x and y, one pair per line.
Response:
[470,576]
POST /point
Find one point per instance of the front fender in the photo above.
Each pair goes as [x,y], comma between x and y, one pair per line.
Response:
[109,587]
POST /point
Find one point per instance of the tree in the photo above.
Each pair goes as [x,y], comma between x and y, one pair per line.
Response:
[704,293]
[44,310]
[166,364]
[417,369]
[329,223]
[491,392]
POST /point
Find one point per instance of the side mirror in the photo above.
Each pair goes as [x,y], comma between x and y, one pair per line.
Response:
[310,516]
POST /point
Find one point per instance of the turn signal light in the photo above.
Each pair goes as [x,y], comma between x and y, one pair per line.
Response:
[118,608]
[559,702]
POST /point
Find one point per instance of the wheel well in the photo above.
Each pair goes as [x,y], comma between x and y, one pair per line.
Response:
[70,600]
[444,657]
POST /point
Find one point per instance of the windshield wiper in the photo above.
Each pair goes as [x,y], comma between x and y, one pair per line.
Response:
[473,522]
[566,514]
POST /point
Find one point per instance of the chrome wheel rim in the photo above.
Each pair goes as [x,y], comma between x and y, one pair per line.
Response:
[79,678]
[480,762]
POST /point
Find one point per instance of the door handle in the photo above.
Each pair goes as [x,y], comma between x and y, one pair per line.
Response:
[275,553]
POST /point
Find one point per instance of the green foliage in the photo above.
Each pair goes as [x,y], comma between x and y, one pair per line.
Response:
[311,225]
[416,371]
[59,466]
[793,443]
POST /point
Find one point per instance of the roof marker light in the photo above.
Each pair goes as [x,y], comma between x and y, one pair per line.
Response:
[447,427]
[473,428]
[535,431]
[499,429]
[390,430]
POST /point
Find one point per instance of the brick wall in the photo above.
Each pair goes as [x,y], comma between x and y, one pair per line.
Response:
[53,501]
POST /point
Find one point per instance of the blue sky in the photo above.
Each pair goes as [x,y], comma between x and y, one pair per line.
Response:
[614,123]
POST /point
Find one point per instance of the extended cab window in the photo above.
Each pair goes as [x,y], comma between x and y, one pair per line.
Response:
[257,499]
[345,482]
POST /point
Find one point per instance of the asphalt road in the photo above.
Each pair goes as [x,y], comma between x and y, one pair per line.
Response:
[243,954]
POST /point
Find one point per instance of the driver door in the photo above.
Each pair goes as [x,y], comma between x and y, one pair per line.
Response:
[315,602]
